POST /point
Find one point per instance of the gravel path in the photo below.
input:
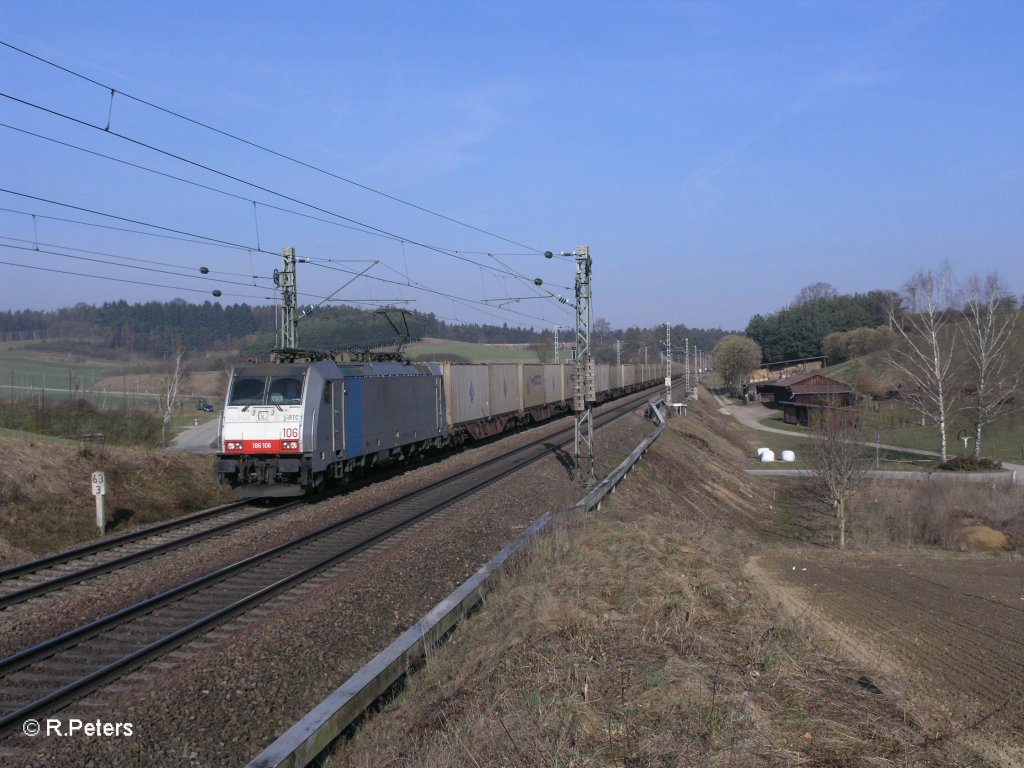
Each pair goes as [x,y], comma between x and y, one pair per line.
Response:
[220,700]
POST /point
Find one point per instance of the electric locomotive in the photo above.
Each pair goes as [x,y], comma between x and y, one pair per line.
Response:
[295,426]
[290,428]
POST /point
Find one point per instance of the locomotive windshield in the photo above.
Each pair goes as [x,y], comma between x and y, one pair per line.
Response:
[266,390]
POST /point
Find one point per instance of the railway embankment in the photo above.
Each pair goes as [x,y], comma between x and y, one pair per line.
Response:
[634,636]
[46,501]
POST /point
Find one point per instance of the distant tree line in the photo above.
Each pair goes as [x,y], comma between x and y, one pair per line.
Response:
[801,329]
[160,328]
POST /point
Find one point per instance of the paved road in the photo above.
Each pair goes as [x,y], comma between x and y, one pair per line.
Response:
[995,478]
[753,414]
[198,439]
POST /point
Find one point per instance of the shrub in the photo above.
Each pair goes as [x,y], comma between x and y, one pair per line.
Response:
[970,464]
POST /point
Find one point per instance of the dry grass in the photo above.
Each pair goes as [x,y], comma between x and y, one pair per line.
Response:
[902,514]
[631,638]
[46,501]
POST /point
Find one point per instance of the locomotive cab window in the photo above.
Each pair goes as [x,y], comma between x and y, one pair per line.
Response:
[285,390]
[248,390]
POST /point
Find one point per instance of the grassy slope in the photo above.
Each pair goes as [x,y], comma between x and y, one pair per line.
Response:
[632,637]
[46,504]
[40,368]
[478,353]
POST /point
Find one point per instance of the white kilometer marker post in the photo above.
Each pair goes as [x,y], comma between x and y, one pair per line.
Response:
[99,490]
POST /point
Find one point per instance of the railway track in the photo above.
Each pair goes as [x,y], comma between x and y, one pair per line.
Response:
[39,577]
[43,678]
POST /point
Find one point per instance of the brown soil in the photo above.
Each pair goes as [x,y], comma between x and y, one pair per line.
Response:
[950,628]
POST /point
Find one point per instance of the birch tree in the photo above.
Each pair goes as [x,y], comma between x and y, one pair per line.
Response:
[169,392]
[925,333]
[989,333]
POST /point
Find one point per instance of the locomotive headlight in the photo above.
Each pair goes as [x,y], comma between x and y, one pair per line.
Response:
[289,445]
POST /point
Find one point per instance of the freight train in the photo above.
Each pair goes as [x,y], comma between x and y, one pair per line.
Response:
[290,428]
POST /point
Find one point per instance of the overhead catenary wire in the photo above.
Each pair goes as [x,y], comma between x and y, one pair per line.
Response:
[260,147]
[270,206]
[38,243]
[202,239]
[160,271]
[119,279]
[238,179]
[468,303]
[95,260]
[355,225]
[408,283]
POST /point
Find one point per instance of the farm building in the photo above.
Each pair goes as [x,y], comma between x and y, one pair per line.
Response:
[799,394]
[780,369]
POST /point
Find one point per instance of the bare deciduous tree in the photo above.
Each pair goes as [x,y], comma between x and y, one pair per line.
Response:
[169,392]
[814,292]
[925,341]
[838,459]
[990,320]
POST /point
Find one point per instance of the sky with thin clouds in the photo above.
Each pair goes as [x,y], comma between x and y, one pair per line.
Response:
[715,156]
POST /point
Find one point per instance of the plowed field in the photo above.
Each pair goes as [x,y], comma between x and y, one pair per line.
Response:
[949,628]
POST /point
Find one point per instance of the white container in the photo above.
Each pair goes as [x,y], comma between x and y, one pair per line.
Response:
[788,456]
[767,455]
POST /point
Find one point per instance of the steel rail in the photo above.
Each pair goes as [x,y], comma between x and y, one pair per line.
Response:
[489,472]
[57,582]
[115,541]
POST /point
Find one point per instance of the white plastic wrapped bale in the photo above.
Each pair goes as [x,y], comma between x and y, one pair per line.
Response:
[788,456]
[767,455]
[761,451]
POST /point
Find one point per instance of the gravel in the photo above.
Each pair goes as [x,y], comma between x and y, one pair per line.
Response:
[222,699]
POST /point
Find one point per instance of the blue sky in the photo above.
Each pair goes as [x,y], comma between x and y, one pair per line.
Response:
[716,157]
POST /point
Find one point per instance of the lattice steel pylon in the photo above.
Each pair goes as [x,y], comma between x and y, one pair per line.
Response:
[668,364]
[285,280]
[687,365]
[584,384]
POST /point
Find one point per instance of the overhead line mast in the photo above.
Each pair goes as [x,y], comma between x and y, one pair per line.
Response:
[584,386]
[285,280]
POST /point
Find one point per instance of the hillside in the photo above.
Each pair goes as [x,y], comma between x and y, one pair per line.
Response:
[634,636]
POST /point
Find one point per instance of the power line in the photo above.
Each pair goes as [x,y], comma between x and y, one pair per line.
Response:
[108,263]
[508,269]
[117,279]
[232,177]
[367,228]
[202,239]
[135,221]
[193,183]
[79,222]
[127,258]
[473,304]
[263,148]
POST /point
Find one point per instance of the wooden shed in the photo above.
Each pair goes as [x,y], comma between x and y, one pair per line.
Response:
[797,395]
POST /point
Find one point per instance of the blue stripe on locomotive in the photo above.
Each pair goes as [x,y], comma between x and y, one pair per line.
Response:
[367,414]
[353,417]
